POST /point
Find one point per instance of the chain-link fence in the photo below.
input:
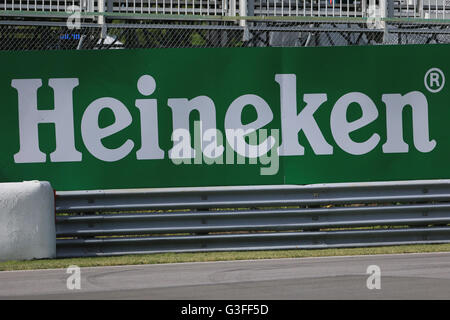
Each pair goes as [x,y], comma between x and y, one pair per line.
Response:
[48,35]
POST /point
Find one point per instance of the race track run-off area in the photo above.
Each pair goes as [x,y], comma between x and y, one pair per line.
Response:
[402,276]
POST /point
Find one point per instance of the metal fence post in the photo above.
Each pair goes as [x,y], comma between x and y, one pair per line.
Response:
[250,13]
[384,12]
[242,12]
[232,11]
[390,8]
[420,8]
[251,8]
[101,9]
[110,6]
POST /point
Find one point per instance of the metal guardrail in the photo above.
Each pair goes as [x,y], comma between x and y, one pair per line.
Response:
[93,223]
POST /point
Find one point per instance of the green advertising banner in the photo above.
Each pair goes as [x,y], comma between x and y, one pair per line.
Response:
[228,116]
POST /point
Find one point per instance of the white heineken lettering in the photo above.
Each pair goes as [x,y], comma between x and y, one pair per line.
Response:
[149,121]
[394,122]
[240,138]
[61,116]
[236,131]
[292,123]
[181,109]
[341,128]
[92,134]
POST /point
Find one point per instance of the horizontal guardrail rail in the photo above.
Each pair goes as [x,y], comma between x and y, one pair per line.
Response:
[222,197]
[116,222]
[244,220]
[239,242]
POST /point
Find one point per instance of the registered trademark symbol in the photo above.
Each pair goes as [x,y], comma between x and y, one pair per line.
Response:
[434,80]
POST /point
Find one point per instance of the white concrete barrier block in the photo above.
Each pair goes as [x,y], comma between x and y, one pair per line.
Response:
[27,221]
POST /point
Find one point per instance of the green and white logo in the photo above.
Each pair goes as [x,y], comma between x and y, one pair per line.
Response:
[164,118]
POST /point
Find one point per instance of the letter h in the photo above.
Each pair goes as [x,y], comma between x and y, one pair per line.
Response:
[61,116]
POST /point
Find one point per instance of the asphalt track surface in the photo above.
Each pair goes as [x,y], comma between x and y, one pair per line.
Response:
[403,276]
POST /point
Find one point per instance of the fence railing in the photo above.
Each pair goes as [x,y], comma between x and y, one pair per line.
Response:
[49,5]
[178,7]
[423,9]
[96,223]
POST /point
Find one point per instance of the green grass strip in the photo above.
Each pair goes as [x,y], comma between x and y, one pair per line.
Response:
[214,256]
